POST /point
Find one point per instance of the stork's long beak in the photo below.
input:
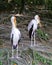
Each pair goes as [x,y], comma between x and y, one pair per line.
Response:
[39,22]
[19,15]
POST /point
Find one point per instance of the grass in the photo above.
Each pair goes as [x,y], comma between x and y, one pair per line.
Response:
[41,59]
[35,57]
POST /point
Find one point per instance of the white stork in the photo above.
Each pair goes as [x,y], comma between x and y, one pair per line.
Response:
[15,36]
[32,27]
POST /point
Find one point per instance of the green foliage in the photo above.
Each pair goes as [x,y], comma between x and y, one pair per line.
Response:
[18,2]
[14,63]
[39,2]
[49,4]
[42,35]
[5,6]
[1,63]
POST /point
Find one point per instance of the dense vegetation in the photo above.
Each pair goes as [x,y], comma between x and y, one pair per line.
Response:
[8,4]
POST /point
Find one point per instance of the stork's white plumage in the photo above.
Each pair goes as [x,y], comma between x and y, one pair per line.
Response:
[32,27]
[15,36]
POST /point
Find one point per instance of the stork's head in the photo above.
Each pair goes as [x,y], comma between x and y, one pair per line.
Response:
[13,20]
[37,18]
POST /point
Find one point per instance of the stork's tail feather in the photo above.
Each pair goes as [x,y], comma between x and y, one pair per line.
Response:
[14,46]
[30,31]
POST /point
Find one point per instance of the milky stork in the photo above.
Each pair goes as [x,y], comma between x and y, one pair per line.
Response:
[15,36]
[32,27]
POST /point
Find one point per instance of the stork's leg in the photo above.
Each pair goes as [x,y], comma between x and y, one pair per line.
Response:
[34,40]
[17,52]
[22,45]
[31,41]
[12,52]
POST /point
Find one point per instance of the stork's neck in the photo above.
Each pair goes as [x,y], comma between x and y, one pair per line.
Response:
[13,25]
